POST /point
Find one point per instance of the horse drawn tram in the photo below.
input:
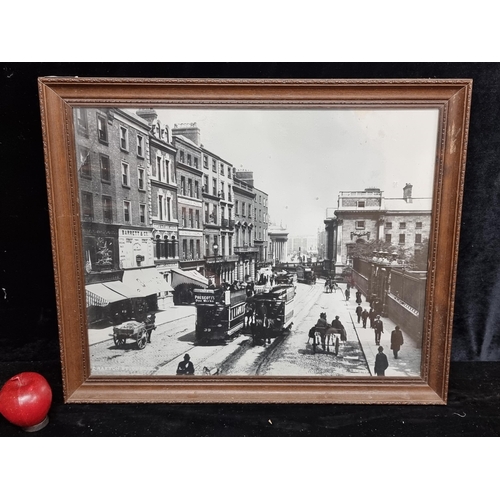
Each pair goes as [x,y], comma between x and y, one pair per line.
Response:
[273,312]
[219,313]
[305,275]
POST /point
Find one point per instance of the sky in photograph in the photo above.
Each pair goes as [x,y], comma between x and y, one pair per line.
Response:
[303,158]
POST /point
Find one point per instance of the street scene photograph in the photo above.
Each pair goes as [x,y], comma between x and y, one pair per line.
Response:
[255,242]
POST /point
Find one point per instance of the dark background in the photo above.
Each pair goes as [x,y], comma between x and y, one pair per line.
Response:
[28,319]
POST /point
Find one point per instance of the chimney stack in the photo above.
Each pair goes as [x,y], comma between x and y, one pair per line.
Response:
[407,193]
[150,115]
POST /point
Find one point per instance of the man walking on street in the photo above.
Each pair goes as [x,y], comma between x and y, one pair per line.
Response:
[347,294]
[364,317]
[379,328]
[372,316]
[381,363]
[396,341]
[359,311]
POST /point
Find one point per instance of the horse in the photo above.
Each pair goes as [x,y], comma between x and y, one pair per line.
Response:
[326,336]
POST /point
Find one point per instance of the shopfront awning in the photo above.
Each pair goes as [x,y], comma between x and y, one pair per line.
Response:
[122,289]
[180,277]
[146,281]
[99,295]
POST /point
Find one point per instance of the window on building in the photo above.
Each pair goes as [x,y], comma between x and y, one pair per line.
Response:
[418,238]
[125,175]
[189,159]
[184,217]
[191,219]
[402,238]
[205,161]
[160,207]
[169,208]
[214,187]
[361,204]
[198,250]
[87,206]
[205,183]
[191,249]
[229,172]
[82,125]
[402,225]
[223,245]
[222,194]
[124,138]
[237,207]
[360,224]
[207,245]
[85,166]
[190,188]
[107,209]
[229,194]
[197,219]
[140,146]
[181,156]
[142,213]
[196,189]
[229,213]
[207,219]
[388,225]
[102,129]
[183,185]
[230,243]
[167,171]
[141,179]
[184,249]
[418,225]
[195,162]
[105,168]
[222,169]
[157,171]
[127,215]
[214,166]
[243,207]
[388,238]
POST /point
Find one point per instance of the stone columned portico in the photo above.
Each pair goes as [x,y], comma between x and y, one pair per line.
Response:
[278,244]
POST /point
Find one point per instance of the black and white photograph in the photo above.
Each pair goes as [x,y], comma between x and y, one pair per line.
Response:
[255,242]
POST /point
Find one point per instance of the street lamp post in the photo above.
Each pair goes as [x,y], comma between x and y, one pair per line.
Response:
[215,248]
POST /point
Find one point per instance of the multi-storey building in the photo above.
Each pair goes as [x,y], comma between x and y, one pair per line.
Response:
[366,216]
[218,216]
[244,234]
[162,206]
[261,220]
[112,159]
[189,197]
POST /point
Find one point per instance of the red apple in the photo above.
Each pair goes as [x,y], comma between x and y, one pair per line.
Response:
[25,400]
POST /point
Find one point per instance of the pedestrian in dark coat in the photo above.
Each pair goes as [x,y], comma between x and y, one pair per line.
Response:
[185,367]
[372,315]
[339,327]
[364,317]
[347,294]
[381,363]
[358,298]
[359,310]
[379,328]
[396,341]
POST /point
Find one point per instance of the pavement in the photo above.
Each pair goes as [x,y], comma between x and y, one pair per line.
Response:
[172,313]
[409,357]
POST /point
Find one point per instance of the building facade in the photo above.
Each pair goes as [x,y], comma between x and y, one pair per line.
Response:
[190,201]
[244,246]
[261,219]
[367,216]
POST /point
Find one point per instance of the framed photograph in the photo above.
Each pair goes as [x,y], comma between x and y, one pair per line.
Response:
[255,241]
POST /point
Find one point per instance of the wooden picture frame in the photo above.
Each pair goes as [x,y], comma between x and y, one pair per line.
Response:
[61,98]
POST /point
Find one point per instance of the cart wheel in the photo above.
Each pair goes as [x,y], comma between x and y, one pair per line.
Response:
[119,341]
[142,340]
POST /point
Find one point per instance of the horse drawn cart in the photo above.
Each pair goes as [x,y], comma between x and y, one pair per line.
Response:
[139,332]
